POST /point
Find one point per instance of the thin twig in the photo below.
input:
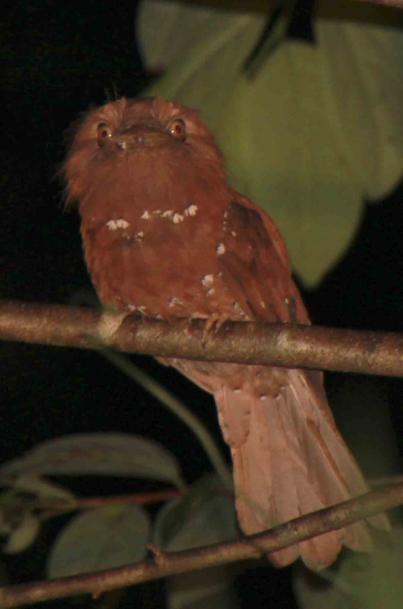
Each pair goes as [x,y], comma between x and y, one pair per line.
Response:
[57,507]
[391,3]
[174,405]
[244,342]
[173,563]
[260,6]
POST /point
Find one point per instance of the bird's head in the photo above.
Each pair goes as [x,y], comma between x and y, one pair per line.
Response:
[141,134]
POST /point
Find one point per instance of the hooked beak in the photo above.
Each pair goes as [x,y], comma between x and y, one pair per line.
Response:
[140,136]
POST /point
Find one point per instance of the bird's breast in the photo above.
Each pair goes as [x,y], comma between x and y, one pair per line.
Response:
[161,261]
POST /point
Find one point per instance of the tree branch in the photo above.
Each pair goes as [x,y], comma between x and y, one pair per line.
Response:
[391,3]
[173,563]
[57,507]
[261,6]
[287,345]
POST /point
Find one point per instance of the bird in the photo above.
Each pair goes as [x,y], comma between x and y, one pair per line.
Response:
[165,236]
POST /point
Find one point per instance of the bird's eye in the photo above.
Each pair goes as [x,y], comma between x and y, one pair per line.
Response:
[104,132]
[177,129]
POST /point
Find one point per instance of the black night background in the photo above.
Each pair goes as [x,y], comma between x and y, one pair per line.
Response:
[59,58]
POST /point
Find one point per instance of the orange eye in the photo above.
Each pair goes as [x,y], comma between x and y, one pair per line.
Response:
[177,129]
[104,132]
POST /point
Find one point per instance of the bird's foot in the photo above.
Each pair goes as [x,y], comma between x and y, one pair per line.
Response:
[212,326]
[109,323]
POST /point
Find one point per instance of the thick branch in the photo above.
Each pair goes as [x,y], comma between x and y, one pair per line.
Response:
[252,343]
[54,507]
[164,564]
[261,6]
[392,3]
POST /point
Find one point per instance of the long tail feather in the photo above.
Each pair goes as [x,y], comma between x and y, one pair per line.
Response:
[289,460]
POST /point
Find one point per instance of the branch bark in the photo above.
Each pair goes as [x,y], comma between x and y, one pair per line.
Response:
[54,508]
[260,6]
[173,563]
[391,3]
[286,345]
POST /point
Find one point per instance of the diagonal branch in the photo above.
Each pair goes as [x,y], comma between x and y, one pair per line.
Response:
[244,342]
[390,3]
[173,563]
[258,6]
[56,507]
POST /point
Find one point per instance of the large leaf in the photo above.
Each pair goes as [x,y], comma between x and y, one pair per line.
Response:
[317,130]
[107,537]
[19,519]
[167,30]
[205,589]
[203,516]
[363,581]
[19,522]
[112,454]
[23,534]
[41,488]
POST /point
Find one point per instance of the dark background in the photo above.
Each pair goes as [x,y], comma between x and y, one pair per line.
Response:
[58,58]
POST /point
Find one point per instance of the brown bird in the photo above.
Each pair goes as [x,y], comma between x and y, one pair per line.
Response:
[166,236]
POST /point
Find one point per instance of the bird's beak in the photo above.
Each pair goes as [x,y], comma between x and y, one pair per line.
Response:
[140,136]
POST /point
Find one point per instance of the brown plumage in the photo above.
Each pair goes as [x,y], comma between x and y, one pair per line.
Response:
[165,235]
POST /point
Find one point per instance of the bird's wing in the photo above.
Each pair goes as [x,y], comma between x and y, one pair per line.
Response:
[256,268]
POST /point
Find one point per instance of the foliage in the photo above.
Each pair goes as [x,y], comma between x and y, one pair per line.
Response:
[105,537]
[310,135]
[114,454]
[361,580]
[116,534]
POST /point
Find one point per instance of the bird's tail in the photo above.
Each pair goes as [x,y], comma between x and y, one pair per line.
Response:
[289,460]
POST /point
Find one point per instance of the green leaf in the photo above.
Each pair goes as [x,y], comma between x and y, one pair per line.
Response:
[361,71]
[363,417]
[42,488]
[205,589]
[182,26]
[363,581]
[317,130]
[102,454]
[203,516]
[23,535]
[4,579]
[103,538]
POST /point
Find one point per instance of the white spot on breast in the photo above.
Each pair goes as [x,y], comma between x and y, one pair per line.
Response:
[211,292]
[237,308]
[135,308]
[173,302]
[115,224]
[139,236]
[262,304]
[287,301]
[145,215]
[191,210]
[220,249]
[233,233]
[208,280]
[177,218]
